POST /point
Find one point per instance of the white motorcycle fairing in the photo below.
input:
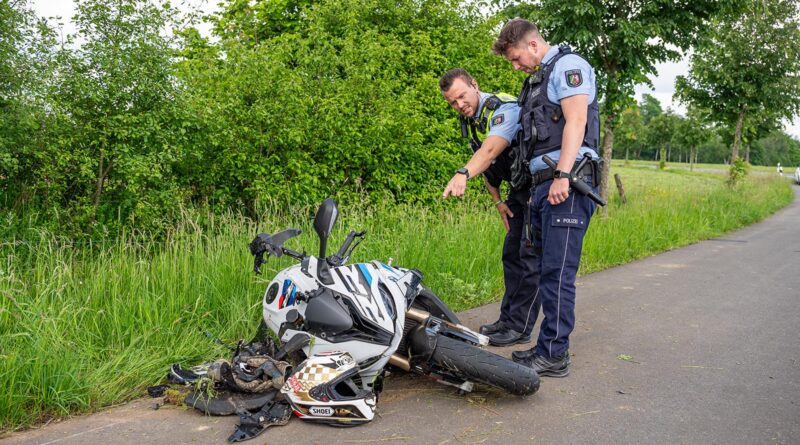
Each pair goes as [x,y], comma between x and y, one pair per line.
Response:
[373,294]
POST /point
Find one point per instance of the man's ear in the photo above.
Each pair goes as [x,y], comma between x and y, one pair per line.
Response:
[474,84]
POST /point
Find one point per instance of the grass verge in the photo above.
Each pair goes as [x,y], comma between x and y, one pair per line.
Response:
[85,328]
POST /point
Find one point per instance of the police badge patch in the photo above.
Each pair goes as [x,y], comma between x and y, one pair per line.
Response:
[574,78]
[497,120]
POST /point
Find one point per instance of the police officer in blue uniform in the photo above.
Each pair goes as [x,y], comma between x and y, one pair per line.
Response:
[560,119]
[491,123]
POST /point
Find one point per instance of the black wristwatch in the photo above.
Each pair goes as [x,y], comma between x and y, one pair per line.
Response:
[558,174]
[463,171]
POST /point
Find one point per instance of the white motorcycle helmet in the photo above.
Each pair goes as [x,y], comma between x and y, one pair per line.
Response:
[323,391]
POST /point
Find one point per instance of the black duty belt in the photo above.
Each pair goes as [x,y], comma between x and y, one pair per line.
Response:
[547,174]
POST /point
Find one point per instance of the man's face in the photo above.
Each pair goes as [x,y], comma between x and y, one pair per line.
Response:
[463,97]
[523,56]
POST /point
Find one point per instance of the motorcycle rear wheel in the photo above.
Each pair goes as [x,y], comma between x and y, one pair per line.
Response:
[479,365]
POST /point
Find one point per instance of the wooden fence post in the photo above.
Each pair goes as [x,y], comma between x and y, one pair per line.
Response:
[620,188]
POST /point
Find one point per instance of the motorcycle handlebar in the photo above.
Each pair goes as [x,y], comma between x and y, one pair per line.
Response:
[341,255]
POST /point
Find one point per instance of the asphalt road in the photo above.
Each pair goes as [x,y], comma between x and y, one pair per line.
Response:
[696,345]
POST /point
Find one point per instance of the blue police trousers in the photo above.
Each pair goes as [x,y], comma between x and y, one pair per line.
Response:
[558,241]
[520,275]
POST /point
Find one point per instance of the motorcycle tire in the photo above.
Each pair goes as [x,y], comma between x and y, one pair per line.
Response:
[475,364]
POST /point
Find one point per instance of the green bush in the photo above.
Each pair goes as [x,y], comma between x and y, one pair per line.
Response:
[738,171]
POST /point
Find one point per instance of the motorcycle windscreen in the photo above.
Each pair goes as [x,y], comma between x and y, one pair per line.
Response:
[326,317]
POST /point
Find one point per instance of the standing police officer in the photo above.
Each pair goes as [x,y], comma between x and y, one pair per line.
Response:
[560,119]
[491,122]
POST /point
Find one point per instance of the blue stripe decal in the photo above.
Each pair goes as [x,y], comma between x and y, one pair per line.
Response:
[365,272]
[390,269]
[286,284]
[294,292]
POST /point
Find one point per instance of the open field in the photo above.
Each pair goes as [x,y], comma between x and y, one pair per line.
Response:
[85,328]
[700,166]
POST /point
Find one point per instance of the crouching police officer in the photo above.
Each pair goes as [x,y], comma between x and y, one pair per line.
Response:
[560,119]
[491,123]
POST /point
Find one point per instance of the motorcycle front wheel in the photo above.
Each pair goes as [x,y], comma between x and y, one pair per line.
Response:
[479,365]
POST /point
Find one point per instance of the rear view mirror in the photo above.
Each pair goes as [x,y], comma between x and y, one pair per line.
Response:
[325,218]
[323,225]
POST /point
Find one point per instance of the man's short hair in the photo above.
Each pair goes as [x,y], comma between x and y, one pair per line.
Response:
[513,32]
[447,79]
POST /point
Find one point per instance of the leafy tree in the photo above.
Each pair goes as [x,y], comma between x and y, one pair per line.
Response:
[650,106]
[347,104]
[630,131]
[690,133]
[120,130]
[251,22]
[714,150]
[774,148]
[760,84]
[660,134]
[25,74]
[623,40]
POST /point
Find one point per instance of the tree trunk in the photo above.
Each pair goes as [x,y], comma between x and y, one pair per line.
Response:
[692,159]
[747,153]
[737,134]
[101,176]
[608,147]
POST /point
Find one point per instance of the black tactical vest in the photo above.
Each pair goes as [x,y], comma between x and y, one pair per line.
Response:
[478,126]
[543,121]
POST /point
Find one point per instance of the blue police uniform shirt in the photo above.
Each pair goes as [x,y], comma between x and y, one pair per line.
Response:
[557,89]
[505,121]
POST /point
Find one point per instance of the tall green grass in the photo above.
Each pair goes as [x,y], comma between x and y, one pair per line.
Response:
[81,328]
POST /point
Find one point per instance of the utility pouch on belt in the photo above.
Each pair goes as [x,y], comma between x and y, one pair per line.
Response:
[520,170]
[597,171]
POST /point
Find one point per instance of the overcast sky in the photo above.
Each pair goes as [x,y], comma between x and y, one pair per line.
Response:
[663,84]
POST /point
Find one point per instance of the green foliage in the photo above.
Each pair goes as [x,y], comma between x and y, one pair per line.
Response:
[25,56]
[738,171]
[650,107]
[139,116]
[741,89]
[348,105]
[774,148]
[103,141]
[252,22]
[629,132]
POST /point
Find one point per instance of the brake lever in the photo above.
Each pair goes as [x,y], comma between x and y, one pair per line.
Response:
[360,236]
[257,262]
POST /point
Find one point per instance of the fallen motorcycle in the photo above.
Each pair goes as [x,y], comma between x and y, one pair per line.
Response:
[351,321]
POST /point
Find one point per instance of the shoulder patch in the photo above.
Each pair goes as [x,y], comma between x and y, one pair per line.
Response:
[498,119]
[574,78]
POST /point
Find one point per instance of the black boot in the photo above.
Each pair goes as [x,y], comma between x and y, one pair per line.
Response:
[507,337]
[491,328]
[548,366]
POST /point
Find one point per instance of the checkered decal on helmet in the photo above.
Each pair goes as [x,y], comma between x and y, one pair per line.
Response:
[310,376]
